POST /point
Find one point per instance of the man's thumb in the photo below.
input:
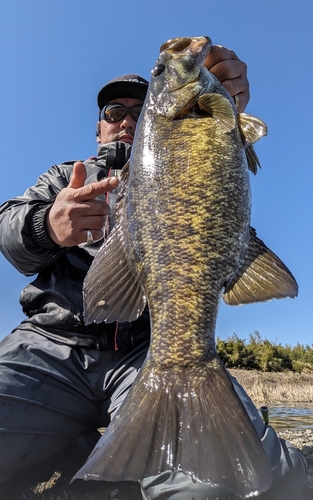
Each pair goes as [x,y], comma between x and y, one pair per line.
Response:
[78,176]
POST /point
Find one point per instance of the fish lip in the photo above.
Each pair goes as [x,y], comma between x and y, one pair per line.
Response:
[182,43]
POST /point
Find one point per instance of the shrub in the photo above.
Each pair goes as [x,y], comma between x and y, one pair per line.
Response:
[261,354]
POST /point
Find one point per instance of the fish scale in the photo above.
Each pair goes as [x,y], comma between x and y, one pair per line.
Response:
[182,240]
[185,261]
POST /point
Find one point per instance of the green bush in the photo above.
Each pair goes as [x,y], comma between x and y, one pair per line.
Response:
[261,354]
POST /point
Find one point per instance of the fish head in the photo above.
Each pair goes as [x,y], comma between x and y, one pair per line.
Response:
[178,76]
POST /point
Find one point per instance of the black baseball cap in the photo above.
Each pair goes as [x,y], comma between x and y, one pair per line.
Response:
[123,86]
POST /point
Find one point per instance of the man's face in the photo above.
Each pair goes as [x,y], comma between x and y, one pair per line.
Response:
[124,129]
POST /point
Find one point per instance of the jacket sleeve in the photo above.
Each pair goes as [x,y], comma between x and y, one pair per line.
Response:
[24,240]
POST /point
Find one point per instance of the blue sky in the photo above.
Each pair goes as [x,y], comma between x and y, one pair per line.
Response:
[56,55]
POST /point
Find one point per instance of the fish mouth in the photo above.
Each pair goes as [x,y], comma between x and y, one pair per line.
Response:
[194,44]
[193,51]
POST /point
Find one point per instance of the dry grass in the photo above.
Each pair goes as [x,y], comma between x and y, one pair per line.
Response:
[269,387]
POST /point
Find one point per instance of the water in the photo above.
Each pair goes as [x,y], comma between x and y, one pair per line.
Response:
[293,416]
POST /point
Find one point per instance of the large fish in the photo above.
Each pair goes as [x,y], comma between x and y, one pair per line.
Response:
[181,240]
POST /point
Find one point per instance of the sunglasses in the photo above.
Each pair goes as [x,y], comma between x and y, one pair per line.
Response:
[115,112]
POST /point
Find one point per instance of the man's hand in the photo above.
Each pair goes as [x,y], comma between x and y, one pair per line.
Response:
[231,72]
[75,209]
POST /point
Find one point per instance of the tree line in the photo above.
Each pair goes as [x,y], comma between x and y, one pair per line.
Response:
[258,353]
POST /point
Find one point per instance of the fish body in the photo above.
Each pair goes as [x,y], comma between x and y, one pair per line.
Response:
[183,238]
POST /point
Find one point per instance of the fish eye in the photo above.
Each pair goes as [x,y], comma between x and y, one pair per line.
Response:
[158,69]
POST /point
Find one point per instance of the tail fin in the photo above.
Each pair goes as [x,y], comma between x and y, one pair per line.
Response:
[189,419]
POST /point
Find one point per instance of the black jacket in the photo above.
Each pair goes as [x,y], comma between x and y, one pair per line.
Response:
[53,302]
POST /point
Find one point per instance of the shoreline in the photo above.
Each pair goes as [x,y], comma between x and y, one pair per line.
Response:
[265,388]
[302,439]
[275,387]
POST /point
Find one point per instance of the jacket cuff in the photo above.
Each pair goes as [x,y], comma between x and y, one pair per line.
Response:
[39,234]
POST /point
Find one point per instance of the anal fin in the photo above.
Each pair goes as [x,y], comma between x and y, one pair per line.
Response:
[263,277]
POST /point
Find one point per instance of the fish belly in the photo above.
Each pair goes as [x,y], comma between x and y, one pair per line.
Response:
[189,216]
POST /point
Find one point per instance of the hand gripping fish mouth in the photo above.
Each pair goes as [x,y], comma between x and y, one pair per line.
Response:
[180,246]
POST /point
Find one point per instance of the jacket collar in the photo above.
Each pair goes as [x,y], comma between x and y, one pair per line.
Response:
[113,154]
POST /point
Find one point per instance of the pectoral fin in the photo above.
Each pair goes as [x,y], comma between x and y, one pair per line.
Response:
[220,109]
[252,129]
[263,277]
[111,291]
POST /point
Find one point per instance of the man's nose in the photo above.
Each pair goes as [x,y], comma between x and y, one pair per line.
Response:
[128,122]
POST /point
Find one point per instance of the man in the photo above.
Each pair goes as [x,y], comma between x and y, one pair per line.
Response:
[60,381]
